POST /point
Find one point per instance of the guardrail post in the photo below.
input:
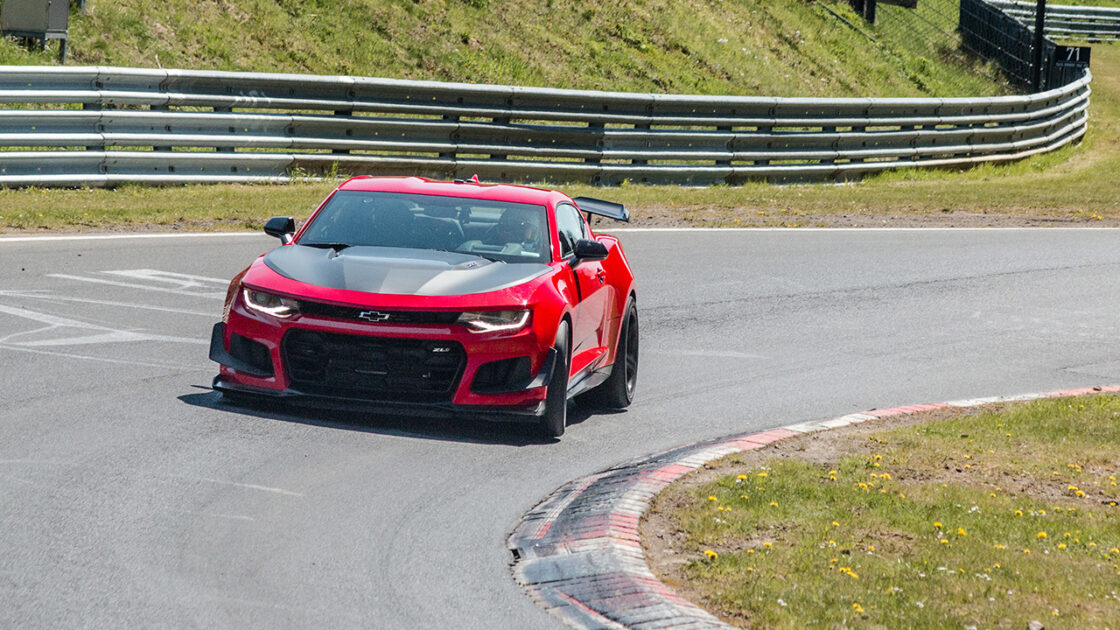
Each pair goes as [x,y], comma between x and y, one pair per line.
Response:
[95,107]
[453,137]
[499,156]
[597,129]
[726,128]
[858,130]
[342,113]
[641,127]
[829,130]
[160,108]
[224,110]
[763,129]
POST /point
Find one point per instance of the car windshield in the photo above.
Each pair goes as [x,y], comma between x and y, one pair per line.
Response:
[498,230]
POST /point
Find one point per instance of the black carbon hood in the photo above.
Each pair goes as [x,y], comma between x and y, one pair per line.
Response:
[399,271]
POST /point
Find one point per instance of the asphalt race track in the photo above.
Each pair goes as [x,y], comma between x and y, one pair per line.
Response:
[130,496]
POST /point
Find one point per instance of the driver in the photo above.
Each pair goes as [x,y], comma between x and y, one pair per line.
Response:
[518,225]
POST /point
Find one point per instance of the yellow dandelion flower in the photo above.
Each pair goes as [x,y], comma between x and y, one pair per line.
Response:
[961,532]
[712,497]
[741,477]
[835,524]
[750,550]
[1062,546]
[832,472]
[768,544]
[937,524]
[762,474]
[1026,551]
[944,541]
[1079,493]
[1041,535]
[871,547]
[856,607]
[711,554]
[773,504]
[886,476]
[1114,550]
[1018,512]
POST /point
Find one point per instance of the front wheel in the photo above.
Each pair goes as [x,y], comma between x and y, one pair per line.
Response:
[555,418]
[617,392]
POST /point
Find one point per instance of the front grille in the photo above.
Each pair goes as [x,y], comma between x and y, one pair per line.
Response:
[334,311]
[372,368]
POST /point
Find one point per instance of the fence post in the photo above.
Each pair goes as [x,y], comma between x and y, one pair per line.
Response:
[1039,38]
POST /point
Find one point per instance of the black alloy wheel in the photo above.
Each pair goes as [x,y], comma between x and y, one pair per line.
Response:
[617,392]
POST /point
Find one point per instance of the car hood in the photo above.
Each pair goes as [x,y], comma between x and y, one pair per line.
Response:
[399,271]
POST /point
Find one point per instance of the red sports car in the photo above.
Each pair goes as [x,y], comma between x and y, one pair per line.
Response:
[419,296]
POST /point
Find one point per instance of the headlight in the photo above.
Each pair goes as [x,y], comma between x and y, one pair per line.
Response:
[270,304]
[493,321]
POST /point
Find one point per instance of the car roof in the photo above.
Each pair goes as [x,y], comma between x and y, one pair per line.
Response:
[467,189]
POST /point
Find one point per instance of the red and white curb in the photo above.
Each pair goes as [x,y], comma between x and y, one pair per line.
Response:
[578,553]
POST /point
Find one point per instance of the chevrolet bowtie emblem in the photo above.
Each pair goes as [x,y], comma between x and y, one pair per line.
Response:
[373,316]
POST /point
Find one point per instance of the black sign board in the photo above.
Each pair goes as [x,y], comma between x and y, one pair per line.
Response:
[1071,56]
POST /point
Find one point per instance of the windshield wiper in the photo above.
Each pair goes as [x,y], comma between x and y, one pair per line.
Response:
[335,246]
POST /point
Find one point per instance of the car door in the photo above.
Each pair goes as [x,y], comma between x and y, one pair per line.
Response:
[590,313]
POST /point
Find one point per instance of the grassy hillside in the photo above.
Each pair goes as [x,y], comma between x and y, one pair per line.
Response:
[780,47]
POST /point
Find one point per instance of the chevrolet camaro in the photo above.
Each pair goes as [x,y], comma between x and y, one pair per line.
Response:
[408,295]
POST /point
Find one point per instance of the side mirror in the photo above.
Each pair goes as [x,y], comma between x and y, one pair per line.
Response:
[587,250]
[281,227]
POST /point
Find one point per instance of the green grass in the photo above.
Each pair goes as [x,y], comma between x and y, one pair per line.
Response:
[791,47]
[990,519]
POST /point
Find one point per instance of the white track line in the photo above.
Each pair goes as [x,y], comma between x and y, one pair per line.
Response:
[109,237]
[47,297]
[219,295]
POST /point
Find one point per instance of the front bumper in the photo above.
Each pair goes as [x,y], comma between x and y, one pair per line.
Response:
[264,373]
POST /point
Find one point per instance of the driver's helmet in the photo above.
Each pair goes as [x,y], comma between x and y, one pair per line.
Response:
[518,225]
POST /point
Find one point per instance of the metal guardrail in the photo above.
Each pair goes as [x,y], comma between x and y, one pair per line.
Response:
[180,126]
[1067,21]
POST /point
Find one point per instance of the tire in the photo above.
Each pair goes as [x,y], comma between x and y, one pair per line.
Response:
[555,418]
[617,392]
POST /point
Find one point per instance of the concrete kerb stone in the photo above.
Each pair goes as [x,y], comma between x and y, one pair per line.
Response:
[578,553]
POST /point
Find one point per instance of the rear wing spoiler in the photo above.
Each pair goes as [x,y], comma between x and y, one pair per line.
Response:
[608,209]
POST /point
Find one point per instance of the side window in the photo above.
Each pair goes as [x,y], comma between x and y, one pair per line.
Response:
[569,227]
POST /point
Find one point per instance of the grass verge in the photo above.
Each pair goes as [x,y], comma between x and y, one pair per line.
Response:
[990,518]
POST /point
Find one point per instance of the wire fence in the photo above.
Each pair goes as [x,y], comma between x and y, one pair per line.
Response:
[930,31]
[970,34]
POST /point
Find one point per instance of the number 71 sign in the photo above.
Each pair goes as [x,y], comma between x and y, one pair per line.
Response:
[1066,56]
